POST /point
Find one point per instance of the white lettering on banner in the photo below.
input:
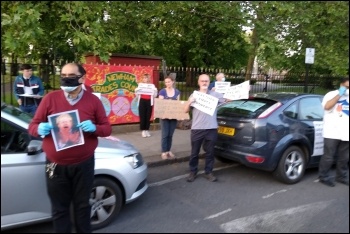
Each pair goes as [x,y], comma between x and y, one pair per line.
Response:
[240,91]
[222,86]
[205,102]
[318,143]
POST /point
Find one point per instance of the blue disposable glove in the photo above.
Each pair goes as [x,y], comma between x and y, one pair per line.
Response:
[44,129]
[342,90]
[87,126]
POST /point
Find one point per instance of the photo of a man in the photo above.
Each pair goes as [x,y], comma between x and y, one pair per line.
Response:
[66,134]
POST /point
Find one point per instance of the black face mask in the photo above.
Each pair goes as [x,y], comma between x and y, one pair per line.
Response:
[70,81]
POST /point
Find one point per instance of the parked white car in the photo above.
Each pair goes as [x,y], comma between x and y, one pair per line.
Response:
[120,175]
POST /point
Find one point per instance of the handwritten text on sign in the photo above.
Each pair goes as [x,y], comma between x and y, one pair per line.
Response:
[240,91]
[170,109]
[222,86]
[144,88]
[205,102]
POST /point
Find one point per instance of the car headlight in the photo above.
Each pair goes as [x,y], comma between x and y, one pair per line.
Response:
[135,160]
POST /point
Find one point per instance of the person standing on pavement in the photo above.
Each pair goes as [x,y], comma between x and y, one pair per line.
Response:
[70,172]
[336,135]
[145,107]
[26,85]
[168,126]
[203,131]
[219,77]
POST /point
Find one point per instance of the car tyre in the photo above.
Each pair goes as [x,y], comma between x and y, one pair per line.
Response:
[106,201]
[292,165]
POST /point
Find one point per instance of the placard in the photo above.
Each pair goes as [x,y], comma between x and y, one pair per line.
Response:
[240,91]
[205,102]
[170,109]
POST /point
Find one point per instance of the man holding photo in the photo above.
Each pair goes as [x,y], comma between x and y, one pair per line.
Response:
[70,172]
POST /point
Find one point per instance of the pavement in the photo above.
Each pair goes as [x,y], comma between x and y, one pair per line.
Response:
[150,147]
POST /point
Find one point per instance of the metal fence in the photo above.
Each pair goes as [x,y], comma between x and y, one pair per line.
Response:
[186,79]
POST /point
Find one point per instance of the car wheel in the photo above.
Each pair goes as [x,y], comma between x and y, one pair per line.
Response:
[106,201]
[291,166]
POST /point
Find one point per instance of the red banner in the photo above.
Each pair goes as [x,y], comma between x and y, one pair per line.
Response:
[116,84]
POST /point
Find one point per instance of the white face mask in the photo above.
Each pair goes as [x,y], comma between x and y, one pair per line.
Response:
[68,89]
[223,79]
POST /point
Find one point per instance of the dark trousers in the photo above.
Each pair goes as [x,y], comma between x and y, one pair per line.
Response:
[145,112]
[168,128]
[207,138]
[71,184]
[334,149]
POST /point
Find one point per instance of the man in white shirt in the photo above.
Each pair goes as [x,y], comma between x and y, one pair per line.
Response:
[336,135]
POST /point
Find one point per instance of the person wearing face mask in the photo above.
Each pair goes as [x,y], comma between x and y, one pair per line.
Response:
[204,131]
[70,172]
[335,135]
[26,85]
[219,77]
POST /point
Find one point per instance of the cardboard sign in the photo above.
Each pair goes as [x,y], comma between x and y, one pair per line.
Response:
[170,109]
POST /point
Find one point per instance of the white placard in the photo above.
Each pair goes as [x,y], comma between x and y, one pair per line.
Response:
[28,90]
[318,143]
[144,88]
[240,91]
[205,102]
[222,86]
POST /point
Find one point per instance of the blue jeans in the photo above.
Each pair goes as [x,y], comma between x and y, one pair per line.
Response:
[168,128]
[29,108]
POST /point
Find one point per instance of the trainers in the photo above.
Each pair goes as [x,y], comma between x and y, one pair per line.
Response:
[191,177]
[210,177]
[144,134]
[328,183]
[171,155]
[147,134]
[164,156]
[346,182]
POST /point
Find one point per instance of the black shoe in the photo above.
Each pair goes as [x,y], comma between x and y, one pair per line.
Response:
[346,182]
[328,182]
[210,177]
[191,177]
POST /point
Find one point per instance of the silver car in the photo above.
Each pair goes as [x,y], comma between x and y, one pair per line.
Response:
[120,175]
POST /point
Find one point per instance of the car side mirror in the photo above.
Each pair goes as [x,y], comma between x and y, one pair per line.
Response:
[34,147]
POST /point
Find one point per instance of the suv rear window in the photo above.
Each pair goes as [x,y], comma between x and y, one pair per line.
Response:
[245,108]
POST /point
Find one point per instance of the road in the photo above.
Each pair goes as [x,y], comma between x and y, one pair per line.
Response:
[242,201]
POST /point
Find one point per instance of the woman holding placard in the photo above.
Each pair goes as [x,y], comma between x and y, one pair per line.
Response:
[168,125]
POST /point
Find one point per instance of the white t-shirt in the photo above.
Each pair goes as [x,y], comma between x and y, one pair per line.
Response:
[336,120]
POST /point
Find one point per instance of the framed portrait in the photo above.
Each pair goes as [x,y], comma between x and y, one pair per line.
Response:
[65,132]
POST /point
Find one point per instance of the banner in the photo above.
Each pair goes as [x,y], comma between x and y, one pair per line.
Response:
[170,109]
[116,85]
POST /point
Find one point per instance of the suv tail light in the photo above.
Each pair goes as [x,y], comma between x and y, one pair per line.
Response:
[269,110]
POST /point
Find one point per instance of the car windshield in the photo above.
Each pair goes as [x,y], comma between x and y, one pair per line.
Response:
[245,108]
[14,111]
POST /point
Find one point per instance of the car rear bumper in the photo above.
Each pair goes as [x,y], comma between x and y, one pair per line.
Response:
[240,154]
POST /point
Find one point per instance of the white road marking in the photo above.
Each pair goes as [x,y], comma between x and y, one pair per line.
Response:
[218,214]
[270,195]
[184,176]
[271,222]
